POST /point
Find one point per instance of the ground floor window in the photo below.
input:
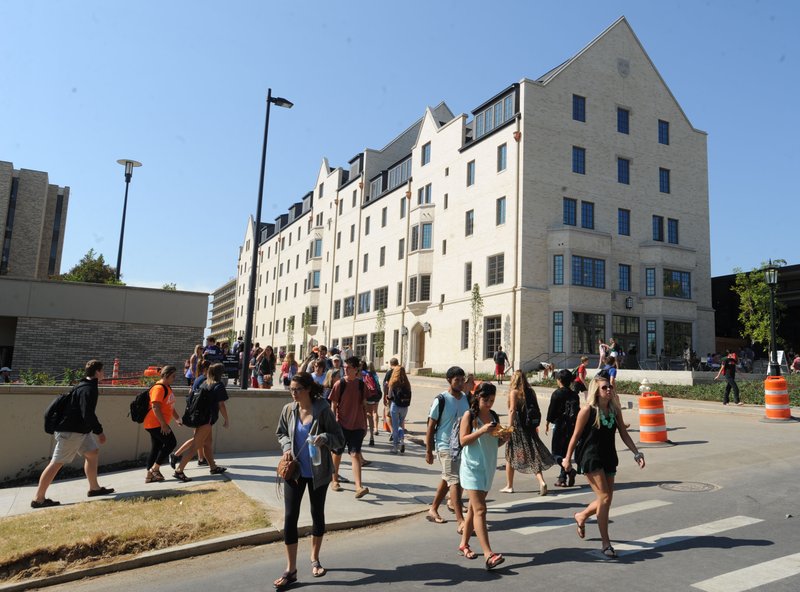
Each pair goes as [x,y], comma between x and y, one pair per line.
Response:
[587,328]
[558,332]
[625,330]
[361,346]
[652,349]
[492,330]
[677,335]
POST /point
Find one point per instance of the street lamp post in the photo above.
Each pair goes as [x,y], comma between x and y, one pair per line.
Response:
[771,278]
[129,165]
[251,297]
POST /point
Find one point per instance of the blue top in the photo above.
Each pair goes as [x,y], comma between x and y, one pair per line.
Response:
[319,379]
[453,410]
[479,462]
[301,448]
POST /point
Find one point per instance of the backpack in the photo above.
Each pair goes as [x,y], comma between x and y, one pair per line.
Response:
[532,412]
[198,407]
[342,386]
[373,395]
[455,434]
[402,397]
[140,406]
[55,412]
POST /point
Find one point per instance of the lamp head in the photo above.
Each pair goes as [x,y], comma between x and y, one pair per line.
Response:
[281,102]
[771,274]
[129,165]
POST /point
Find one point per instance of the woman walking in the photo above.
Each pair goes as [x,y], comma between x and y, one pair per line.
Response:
[156,422]
[400,397]
[288,369]
[478,464]
[307,419]
[596,456]
[562,414]
[525,451]
[374,396]
[192,373]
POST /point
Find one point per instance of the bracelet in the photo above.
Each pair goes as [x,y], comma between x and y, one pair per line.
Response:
[638,456]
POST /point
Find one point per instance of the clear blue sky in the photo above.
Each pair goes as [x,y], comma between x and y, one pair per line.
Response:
[180,86]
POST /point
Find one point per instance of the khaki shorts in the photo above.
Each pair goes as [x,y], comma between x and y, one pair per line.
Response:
[449,467]
[68,444]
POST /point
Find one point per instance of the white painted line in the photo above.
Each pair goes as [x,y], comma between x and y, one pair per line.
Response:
[562,522]
[753,576]
[498,508]
[677,536]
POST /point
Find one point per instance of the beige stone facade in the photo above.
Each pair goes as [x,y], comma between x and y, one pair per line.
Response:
[223,309]
[577,202]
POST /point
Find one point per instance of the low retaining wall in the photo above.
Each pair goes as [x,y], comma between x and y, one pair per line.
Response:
[27,448]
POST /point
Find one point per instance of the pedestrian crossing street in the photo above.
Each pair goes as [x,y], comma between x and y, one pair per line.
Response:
[740,580]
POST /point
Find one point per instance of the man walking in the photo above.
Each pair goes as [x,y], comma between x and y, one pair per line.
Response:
[448,407]
[75,434]
[500,361]
[728,368]
[349,403]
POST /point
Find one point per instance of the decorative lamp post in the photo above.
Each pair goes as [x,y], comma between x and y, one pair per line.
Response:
[251,297]
[129,166]
[771,277]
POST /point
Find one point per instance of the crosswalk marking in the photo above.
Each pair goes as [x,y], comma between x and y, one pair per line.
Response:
[753,576]
[562,522]
[500,508]
[676,536]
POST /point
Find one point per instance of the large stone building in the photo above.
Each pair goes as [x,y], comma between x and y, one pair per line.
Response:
[33,215]
[223,307]
[577,203]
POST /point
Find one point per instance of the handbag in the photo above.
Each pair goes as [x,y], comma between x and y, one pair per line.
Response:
[288,469]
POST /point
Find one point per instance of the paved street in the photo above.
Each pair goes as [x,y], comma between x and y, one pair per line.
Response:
[707,514]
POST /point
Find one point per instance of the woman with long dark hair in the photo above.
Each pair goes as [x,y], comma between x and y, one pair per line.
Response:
[593,443]
[156,422]
[400,397]
[308,420]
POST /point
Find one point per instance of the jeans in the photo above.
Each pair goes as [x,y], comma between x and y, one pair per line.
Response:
[398,415]
[160,446]
[731,384]
[292,496]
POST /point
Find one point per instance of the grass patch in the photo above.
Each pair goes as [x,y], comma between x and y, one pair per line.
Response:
[48,542]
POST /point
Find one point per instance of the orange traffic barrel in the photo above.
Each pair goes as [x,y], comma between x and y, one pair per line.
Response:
[152,371]
[776,399]
[652,421]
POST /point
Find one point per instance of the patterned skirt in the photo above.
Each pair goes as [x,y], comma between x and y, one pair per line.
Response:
[525,451]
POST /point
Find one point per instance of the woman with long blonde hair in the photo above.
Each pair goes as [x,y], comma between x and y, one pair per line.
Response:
[525,451]
[593,443]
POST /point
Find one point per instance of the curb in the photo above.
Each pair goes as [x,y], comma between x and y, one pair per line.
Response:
[261,536]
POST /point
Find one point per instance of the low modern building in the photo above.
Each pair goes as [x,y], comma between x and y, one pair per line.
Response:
[576,202]
[223,308]
[33,215]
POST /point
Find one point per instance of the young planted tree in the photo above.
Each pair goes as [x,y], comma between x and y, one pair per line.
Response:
[380,334]
[290,334]
[753,292]
[476,304]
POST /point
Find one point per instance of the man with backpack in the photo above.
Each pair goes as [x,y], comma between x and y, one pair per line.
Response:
[448,407]
[500,361]
[77,431]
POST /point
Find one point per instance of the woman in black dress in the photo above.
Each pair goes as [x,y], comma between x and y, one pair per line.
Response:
[593,443]
[562,414]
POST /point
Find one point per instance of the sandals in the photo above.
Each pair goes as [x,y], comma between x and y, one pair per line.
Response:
[507,489]
[154,477]
[580,528]
[571,478]
[494,560]
[543,489]
[317,570]
[467,552]
[181,476]
[609,552]
[218,470]
[435,519]
[287,579]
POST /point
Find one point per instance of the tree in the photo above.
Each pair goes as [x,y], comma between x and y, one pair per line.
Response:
[306,325]
[753,292]
[92,269]
[170,287]
[380,333]
[290,334]
[476,303]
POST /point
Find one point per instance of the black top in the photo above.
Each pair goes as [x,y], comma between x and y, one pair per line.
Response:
[79,415]
[730,368]
[558,401]
[500,357]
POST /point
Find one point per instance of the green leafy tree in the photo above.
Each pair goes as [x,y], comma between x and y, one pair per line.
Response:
[476,303]
[92,269]
[290,334]
[170,287]
[380,333]
[753,292]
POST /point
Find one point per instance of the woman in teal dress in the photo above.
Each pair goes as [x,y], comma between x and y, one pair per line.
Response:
[478,465]
[593,443]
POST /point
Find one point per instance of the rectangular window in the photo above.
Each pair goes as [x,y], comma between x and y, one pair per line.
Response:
[469,223]
[658,228]
[347,343]
[317,250]
[558,332]
[624,222]
[401,248]
[651,339]
[468,276]
[424,195]
[578,108]
[624,171]
[676,336]
[444,247]
[314,315]
[365,265]
[341,205]
[579,160]
[495,269]
[381,298]
[339,239]
[426,154]
[494,116]
[492,335]
[412,288]
[336,274]
[588,272]
[424,288]
[500,211]
[337,309]
[366,226]
[352,233]
[663,132]
[414,238]
[650,281]
[399,174]
[465,334]
[375,187]
[445,201]
[402,207]
[384,217]
[350,268]
[427,235]
[349,306]
[315,280]
[587,214]
[361,346]
[470,173]
[363,302]
[382,257]
[501,157]
[558,270]
[587,329]
[624,278]
[672,231]
[399,293]
[623,120]
[663,180]
[570,211]
[677,284]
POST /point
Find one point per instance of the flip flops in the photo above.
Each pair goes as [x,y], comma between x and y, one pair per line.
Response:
[287,579]
[435,519]
[317,570]
[580,528]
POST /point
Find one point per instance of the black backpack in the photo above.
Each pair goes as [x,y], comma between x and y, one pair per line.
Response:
[532,412]
[402,397]
[198,407]
[140,406]
[55,412]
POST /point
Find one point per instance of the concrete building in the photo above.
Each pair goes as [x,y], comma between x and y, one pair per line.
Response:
[577,203]
[223,308]
[33,215]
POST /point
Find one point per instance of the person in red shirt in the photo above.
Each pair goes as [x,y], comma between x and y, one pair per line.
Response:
[348,400]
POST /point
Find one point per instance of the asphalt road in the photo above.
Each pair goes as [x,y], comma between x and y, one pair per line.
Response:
[707,514]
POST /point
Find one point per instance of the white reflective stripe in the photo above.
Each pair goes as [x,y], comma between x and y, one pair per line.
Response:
[659,411]
[615,512]
[661,428]
[778,406]
[754,576]
[769,392]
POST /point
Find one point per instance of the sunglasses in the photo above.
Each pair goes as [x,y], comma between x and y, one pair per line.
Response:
[606,387]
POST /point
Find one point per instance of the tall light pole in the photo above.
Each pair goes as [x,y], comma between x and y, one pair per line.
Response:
[129,165]
[251,296]
[771,278]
